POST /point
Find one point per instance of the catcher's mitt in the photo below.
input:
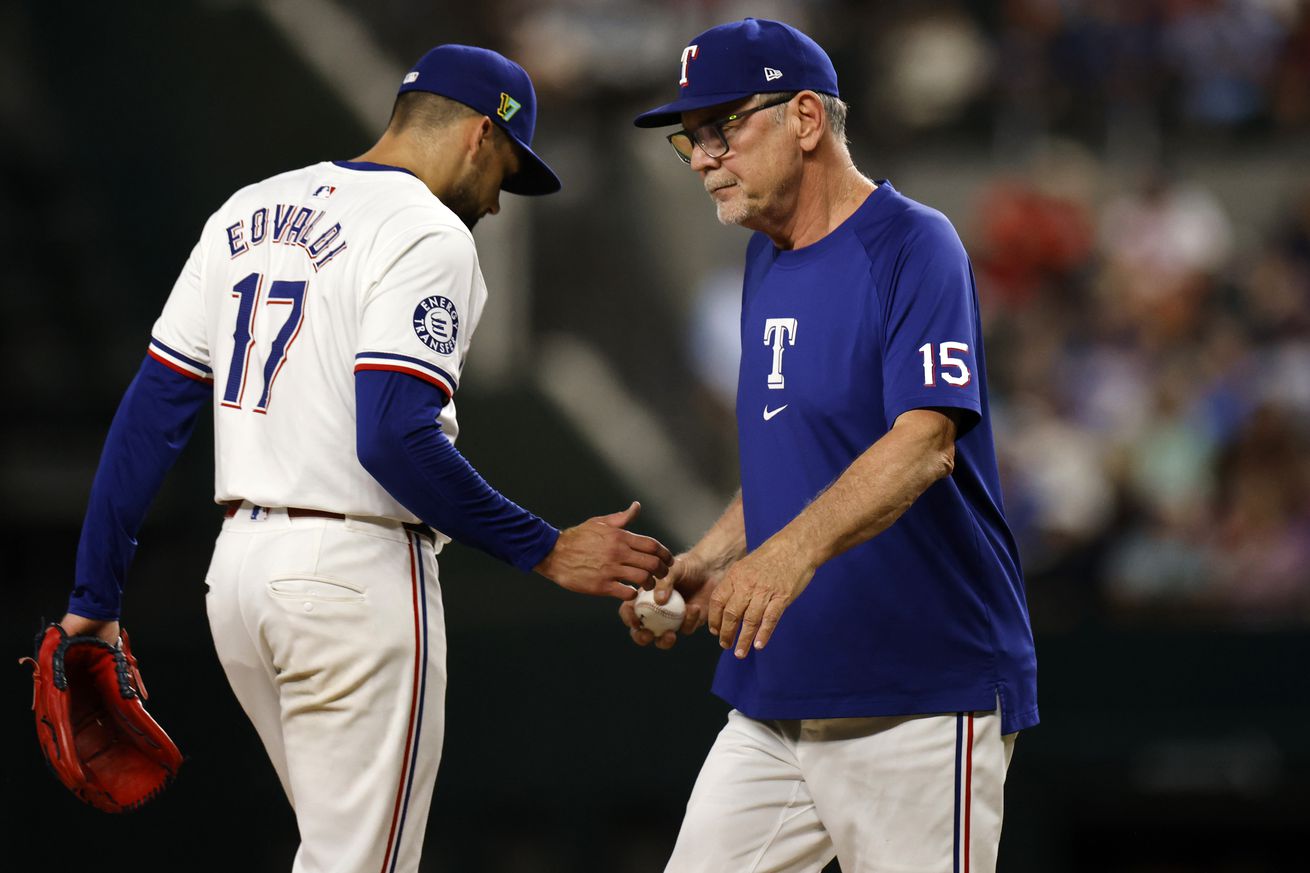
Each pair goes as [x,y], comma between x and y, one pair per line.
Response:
[96,735]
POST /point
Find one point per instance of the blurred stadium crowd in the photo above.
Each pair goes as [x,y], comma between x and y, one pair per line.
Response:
[1153,389]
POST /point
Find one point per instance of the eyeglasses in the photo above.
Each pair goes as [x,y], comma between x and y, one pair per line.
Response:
[710,136]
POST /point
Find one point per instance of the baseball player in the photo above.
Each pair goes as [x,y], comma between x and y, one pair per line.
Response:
[325,315]
[863,583]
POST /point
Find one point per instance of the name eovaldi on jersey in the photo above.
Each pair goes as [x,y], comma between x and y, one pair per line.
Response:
[289,224]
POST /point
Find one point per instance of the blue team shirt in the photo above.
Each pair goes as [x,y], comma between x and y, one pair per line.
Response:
[838,339]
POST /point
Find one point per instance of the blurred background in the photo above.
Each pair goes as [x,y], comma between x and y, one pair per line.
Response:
[1132,181]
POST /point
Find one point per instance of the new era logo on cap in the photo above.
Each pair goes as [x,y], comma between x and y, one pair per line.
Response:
[770,74]
[410,77]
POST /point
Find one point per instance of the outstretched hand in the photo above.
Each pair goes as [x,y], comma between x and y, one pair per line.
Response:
[598,556]
[695,581]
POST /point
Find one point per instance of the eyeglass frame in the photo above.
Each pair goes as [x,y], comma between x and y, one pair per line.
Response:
[717,127]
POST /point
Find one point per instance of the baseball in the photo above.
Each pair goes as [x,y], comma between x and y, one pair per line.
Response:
[658,619]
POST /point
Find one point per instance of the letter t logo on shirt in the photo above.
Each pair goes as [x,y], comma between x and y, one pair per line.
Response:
[778,331]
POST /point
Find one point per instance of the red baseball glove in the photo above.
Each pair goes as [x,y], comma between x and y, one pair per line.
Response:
[94,732]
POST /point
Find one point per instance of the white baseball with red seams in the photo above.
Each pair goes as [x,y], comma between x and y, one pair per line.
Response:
[656,618]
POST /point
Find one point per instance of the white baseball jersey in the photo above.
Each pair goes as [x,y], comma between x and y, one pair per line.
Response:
[297,282]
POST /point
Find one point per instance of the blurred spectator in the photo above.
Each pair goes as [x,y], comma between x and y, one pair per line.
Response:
[1162,245]
[1166,230]
[1263,519]
[1036,230]
[1169,462]
[1290,90]
[1223,53]
[932,64]
[1059,471]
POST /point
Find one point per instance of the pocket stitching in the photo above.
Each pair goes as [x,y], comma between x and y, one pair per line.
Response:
[355,595]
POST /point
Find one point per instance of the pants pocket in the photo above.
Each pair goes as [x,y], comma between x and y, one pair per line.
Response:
[321,588]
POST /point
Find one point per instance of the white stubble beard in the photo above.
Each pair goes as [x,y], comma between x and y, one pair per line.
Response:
[734,210]
[733,213]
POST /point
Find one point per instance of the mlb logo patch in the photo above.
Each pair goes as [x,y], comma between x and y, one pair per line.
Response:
[323,192]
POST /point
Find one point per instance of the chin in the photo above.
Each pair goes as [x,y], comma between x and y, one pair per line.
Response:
[734,213]
[736,208]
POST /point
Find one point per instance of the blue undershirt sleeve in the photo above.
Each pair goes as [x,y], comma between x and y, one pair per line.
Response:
[154,421]
[401,445]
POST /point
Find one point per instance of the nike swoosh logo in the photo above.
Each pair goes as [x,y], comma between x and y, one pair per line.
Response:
[770,413]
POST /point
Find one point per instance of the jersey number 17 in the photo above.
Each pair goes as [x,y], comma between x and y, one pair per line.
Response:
[247,292]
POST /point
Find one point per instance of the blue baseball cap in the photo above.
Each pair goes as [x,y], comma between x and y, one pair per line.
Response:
[735,60]
[500,89]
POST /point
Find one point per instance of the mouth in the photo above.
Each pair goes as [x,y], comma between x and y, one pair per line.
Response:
[714,191]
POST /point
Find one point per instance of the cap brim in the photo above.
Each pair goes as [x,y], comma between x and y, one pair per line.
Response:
[534,178]
[671,113]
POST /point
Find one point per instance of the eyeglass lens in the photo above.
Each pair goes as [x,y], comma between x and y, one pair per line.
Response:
[707,136]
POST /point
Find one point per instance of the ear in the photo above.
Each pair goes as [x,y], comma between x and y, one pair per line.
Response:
[475,134]
[483,133]
[808,119]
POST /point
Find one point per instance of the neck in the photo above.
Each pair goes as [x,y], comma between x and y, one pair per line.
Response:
[826,194]
[427,157]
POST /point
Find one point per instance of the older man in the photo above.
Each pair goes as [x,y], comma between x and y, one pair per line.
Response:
[864,581]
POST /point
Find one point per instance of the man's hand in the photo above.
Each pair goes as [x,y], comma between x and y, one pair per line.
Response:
[597,556]
[695,581]
[755,591]
[77,626]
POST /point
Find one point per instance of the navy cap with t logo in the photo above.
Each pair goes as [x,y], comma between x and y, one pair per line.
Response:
[500,89]
[735,60]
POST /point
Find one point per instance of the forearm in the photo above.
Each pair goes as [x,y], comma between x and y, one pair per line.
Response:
[876,489]
[725,541]
[150,429]
[402,446]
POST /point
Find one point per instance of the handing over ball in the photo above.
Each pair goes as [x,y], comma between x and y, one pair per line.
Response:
[658,619]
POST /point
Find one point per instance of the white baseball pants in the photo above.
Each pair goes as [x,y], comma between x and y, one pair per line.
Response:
[918,794]
[333,639]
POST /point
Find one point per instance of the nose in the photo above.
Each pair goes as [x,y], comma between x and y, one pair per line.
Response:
[495,204]
[701,161]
